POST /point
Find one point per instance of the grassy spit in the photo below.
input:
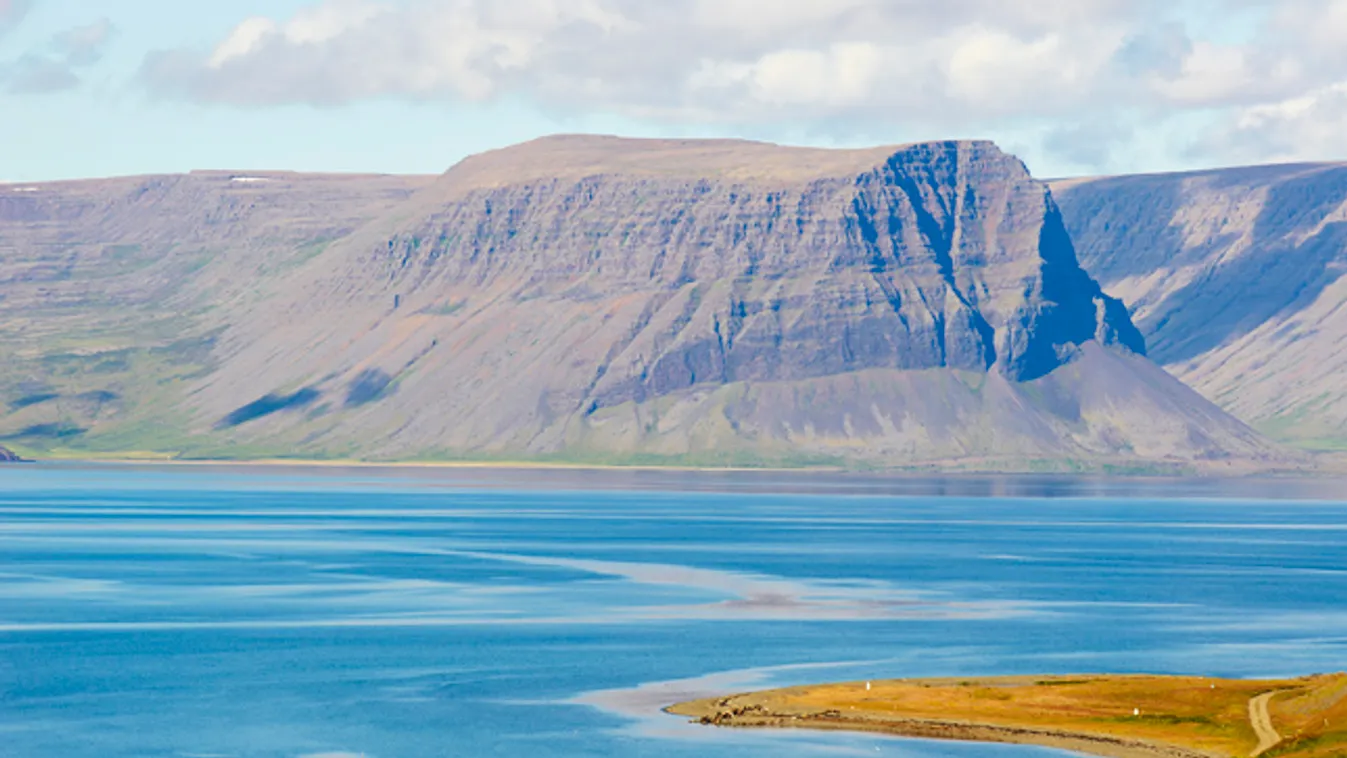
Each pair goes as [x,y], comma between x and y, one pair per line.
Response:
[1114,716]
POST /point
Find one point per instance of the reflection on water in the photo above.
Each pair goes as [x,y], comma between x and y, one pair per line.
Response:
[237,611]
[813,482]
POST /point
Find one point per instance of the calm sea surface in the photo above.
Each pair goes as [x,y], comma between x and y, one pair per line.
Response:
[213,612]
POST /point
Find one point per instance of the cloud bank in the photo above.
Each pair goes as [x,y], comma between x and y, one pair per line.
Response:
[1091,78]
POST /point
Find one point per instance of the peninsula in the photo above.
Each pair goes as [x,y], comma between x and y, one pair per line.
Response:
[1113,716]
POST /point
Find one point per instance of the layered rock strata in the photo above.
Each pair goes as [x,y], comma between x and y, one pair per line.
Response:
[592,297]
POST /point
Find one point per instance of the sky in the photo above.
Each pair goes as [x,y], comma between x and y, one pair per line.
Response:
[411,86]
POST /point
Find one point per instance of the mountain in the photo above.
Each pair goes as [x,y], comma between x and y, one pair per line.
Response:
[8,456]
[599,299]
[112,290]
[1235,276]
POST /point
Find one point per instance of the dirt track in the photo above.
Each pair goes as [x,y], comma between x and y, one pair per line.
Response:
[1262,723]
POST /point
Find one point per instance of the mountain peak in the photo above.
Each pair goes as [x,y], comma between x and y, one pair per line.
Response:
[597,296]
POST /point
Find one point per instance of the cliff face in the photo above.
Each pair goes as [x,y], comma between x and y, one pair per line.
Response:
[936,256]
[585,298]
[1235,277]
[601,297]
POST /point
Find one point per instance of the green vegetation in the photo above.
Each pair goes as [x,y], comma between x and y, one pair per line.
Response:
[1303,428]
[445,309]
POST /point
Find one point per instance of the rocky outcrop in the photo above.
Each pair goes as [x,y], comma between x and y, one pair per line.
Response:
[9,456]
[1236,278]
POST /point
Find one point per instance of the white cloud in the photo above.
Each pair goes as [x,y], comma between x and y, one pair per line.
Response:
[1211,74]
[842,75]
[246,37]
[1304,128]
[323,23]
[989,66]
[1065,70]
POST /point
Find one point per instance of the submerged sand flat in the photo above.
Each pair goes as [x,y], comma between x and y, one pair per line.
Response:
[1114,716]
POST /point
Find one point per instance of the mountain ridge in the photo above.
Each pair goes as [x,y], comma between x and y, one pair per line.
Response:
[685,300]
[677,315]
[1235,275]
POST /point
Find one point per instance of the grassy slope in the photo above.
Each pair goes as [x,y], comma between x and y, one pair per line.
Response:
[1313,721]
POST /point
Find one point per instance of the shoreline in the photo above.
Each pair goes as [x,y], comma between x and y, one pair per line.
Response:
[954,731]
[1104,468]
[1106,715]
[1308,486]
[441,465]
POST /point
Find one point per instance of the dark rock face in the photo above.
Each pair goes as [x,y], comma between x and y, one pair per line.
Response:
[1265,240]
[8,456]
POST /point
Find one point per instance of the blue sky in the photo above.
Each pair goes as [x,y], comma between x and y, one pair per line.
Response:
[111,125]
[1083,86]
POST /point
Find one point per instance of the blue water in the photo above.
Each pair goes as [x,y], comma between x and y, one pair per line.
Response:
[249,612]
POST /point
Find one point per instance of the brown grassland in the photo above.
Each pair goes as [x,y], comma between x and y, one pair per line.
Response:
[1115,716]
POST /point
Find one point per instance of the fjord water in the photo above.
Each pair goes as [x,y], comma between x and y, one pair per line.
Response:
[174,611]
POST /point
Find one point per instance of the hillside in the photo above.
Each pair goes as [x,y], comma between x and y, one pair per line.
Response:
[112,291]
[1235,278]
[596,299]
